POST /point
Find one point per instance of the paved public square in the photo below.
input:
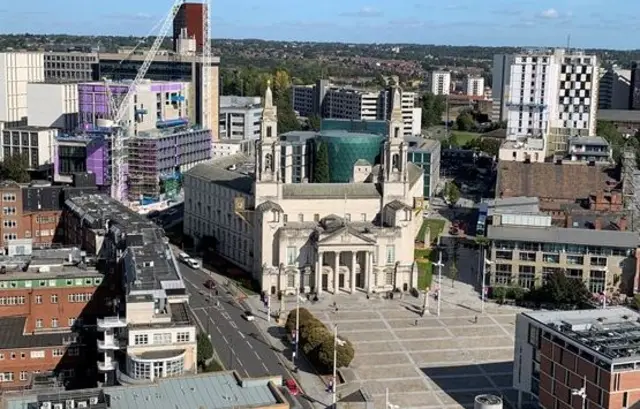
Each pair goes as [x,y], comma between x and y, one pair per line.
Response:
[440,362]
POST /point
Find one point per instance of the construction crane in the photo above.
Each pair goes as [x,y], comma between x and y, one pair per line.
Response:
[122,119]
[206,66]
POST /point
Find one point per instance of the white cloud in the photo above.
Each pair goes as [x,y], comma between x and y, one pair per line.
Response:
[363,12]
[550,14]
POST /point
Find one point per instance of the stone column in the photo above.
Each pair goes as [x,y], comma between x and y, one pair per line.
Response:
[353,271]
[336,274]
[319,273]
[370,275]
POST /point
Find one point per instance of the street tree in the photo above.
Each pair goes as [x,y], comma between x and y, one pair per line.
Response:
[321,166]
[465,122]
[433,106]
[344,354]
[560,291]
[16,168]
[451,193]
[205,349]
[453,272]
[314,122]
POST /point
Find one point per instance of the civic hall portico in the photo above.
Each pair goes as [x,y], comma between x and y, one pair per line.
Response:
[344,268]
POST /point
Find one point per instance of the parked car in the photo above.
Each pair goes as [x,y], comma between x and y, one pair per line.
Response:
[292,386]
[183,257]
[248,315]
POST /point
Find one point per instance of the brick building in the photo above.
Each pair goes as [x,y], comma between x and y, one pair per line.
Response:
[189,18]
[48,300]
[558,185]
[559,352]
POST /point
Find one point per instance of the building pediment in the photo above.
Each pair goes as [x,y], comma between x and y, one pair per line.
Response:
[345,235]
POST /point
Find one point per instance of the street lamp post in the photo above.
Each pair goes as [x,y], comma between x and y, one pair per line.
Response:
[297,334]
[487,262]
[582,392]
[604,292]
[335,363]
[268,307]
[439,264]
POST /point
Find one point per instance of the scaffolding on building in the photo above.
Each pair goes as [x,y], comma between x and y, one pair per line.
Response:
[143,169]
[631,187]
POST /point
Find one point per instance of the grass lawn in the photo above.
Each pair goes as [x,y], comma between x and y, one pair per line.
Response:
[461,138]
[423,259]
[435,226]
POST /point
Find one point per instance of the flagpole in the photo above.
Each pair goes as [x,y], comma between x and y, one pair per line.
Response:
[335,359]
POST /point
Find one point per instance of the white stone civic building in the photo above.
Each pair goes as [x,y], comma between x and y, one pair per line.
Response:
[310,237]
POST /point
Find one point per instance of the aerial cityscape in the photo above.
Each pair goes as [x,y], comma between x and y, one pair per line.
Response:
[207,211]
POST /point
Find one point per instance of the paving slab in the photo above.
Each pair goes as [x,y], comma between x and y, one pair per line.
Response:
[440,357]
[477,330]
[422,333]
[375,347]
[396,386]
[362,360]
[492,355]
[369,336]
[388,372]
[347,327]
[485,342]
[431,344]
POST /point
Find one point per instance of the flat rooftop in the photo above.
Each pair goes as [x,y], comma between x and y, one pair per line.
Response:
[29,128]
[145,242]
[613,333]
[168,132]
[233,171]
[588,140]
[46,264]
[520,204]
[165,56]
[218,390]
[13,336]
[561,235]
[417,143]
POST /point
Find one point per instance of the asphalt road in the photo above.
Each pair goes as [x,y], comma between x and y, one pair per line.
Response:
[238,342]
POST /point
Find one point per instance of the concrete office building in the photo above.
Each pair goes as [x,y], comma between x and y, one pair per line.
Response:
[68,66]
[16,71]
[634,86]
[157,158]
[557,352]
[82,153]
[210,391]
[590,150]
[311,237]
[327,101]
[615,88]
[155,104]
[239,125]
[593,247]
[44,309]
[53,105]
[501,78]
[550,97]
[425,153]
[150,321]
[169,67]
[439,82]
[473,85]
[36,143]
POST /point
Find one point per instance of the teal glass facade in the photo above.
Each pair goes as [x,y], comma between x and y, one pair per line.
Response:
[351,125]
[423,160]
[346,148]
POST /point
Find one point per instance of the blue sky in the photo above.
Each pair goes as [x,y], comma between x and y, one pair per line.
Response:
[591,23]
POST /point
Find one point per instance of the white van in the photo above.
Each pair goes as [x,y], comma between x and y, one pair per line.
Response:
[183,257]
[192,263]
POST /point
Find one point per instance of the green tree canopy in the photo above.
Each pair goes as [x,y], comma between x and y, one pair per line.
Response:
[205,349]
[433,106]
[465,122]
[321,166]
[314,122]
[561,291]
[451,193]
[16,168]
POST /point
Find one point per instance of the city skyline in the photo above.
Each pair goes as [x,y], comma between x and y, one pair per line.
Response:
[589,23]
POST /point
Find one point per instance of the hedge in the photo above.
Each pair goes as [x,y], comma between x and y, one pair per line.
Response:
[316,342]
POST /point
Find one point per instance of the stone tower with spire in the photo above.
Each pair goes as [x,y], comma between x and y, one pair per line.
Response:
[395,155]
[268,149]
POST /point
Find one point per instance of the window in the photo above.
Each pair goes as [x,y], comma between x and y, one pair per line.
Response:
[71,321]
[39,323]
[316,217]
[37,354]
[183,337]
[162,338]
[388,278]
[54,298]
[6,376]
[300,217]
[73,351]
[285,218]
[141,339]
[38,299]
[23,375]
[291,255]
[58,352]
[391,254]
[54,323]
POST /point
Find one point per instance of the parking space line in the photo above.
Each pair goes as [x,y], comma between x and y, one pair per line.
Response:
[242,335]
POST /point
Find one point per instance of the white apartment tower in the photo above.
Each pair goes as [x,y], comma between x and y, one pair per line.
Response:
[546,95]
[16,71]
[474,85]
[439,82]
[614,88]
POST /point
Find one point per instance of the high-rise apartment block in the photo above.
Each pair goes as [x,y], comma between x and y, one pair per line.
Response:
[189,18]
[546,97]
[348,103]
[474,85]
[615,87]
[53,105]
[634,92]
[16,71]
[439,82]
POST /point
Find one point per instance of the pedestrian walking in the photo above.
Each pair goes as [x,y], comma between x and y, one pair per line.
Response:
[475,319]
[415,323]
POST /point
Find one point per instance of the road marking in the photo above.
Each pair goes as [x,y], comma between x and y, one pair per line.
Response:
[265,367]
[233,325]
[218,328]
[259,358]
[225,339]
[241,334]
[233,352]
[226,315]
[249,343]
[239,361]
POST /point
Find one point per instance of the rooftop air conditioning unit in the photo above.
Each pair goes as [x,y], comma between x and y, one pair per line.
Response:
[45,405]
[83,404]
[58,406]
[93,400]
[70,404]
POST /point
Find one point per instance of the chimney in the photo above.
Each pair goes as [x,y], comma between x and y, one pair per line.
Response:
[622,223]
[568,220]
[598,223]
